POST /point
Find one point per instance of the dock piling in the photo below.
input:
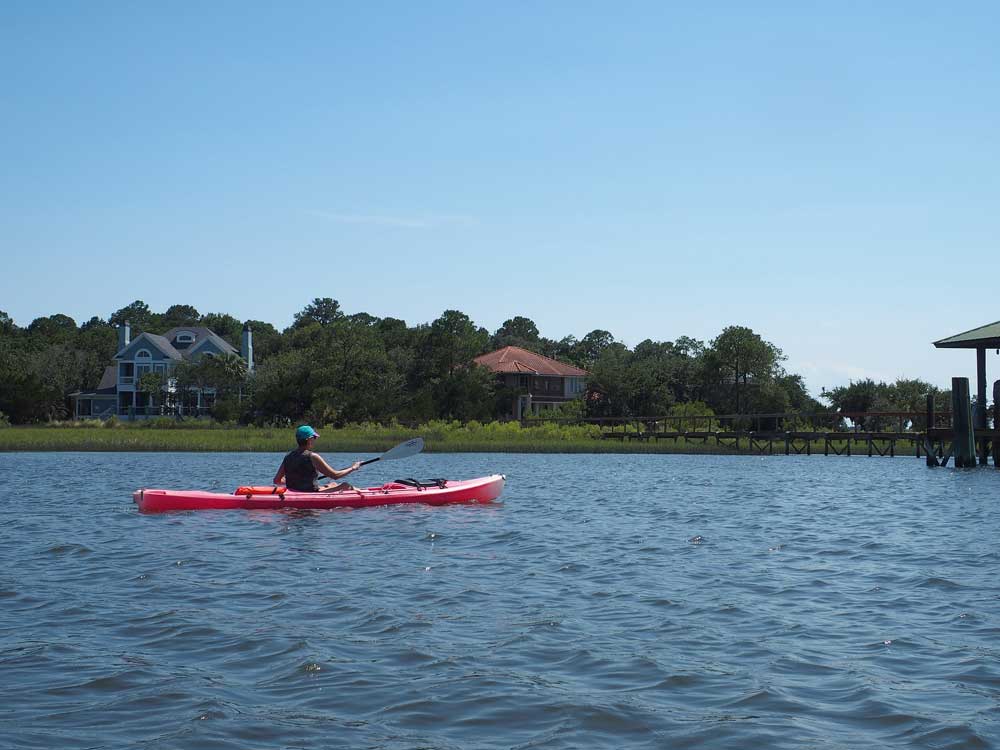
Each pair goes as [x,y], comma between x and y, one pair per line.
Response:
[931,453]
[964,444]
[996,424]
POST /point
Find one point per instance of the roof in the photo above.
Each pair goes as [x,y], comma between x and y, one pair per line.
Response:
[171,348]
[163,344]
[514,359]
[200,335]
[107,387]
[984,337]
[109,381]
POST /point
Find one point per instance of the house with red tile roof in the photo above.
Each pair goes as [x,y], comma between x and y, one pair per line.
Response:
[540,382]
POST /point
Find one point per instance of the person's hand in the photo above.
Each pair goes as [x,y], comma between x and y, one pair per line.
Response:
[355,466]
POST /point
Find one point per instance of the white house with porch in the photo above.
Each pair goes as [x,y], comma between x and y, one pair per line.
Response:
[118,392]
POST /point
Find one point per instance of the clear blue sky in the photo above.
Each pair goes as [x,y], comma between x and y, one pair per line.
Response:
[825,173]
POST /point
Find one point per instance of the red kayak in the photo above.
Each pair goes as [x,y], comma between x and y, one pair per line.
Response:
[434,492]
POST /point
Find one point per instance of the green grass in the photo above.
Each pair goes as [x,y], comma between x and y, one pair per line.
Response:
[170,436]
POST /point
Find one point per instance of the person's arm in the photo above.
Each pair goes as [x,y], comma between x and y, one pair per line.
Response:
[326,470]
[280,476]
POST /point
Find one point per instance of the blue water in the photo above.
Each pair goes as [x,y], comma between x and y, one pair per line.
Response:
[609,601]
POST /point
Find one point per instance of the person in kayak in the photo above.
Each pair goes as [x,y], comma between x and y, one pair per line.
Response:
[301,468]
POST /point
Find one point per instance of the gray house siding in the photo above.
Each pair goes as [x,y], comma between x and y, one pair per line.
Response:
[119,393]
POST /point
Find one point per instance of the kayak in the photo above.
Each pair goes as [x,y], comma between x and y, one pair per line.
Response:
[434,492]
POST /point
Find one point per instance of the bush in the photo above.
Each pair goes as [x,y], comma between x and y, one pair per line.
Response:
[227,410]
[4,420]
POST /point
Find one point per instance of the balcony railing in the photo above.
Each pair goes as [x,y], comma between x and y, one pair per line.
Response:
[163,411]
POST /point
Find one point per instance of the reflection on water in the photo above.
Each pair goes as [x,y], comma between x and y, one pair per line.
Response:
[639,601]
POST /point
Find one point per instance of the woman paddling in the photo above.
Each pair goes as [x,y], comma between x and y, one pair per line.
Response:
[301,468]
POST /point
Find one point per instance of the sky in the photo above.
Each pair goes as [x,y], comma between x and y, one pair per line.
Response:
[826,174]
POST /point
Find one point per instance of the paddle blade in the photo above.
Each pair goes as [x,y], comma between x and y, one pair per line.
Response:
[405,450]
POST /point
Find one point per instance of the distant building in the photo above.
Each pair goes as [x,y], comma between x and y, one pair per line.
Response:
[539,382]
[118,392]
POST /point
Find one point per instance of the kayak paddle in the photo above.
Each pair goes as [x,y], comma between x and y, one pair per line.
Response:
[405,449]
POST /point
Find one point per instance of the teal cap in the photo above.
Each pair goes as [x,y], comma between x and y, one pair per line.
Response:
[305,432]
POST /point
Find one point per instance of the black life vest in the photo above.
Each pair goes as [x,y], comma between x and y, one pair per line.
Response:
[300,475]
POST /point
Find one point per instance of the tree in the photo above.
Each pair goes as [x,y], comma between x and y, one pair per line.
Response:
[137,314]
[738,355]
[440,377]
[152,383]
[609,378]
[57,327]
[323,310]
[7,325]
[95,323]
[224,325]
[517,331]
[283,386]
[177,316]
[864,395]
[904,395]
[588,350]
[363,318]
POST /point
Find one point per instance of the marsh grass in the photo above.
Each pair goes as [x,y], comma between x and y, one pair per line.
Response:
[447,437]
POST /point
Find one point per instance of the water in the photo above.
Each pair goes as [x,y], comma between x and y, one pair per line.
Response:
[636,601]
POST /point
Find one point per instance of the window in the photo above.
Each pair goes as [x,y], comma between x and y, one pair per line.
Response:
[143,354]
[185,337]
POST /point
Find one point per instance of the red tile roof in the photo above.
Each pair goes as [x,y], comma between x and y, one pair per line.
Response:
[514,359]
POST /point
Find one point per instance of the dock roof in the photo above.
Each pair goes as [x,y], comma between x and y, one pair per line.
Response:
[984,337]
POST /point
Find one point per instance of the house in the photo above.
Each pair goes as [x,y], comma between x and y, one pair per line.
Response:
[119,393]
[540,382]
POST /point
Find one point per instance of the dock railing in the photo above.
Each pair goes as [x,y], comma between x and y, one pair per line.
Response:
[837,433]
[895,422]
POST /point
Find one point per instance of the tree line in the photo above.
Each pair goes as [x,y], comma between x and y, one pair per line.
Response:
[331,367]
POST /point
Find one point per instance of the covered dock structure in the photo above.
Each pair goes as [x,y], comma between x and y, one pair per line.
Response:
[981,338]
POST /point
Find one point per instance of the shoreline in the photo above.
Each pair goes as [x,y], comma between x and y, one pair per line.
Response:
[437,439]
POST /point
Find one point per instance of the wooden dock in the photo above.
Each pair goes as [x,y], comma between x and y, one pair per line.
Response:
[828,434]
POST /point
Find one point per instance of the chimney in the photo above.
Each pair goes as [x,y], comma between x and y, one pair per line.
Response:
[124,335]
[246,346]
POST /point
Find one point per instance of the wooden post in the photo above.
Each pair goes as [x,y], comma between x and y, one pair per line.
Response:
[980,420]
[964,438]
[931,457]
[996,424]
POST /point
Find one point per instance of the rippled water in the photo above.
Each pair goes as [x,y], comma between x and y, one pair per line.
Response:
[635,601]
